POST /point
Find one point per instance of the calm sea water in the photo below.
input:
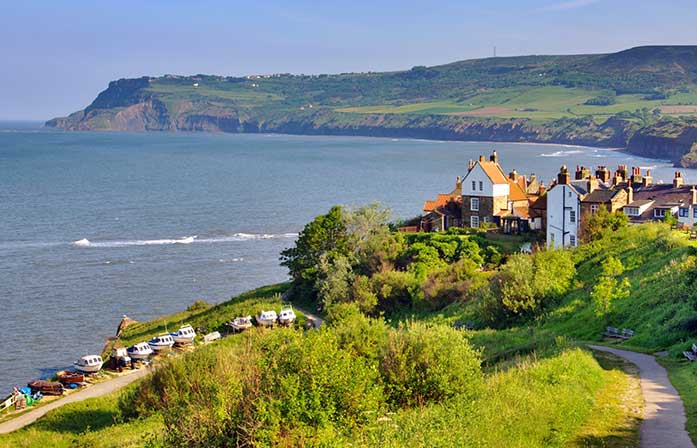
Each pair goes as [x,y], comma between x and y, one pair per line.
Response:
[97,225]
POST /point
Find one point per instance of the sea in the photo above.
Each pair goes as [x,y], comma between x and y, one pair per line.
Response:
[94,226]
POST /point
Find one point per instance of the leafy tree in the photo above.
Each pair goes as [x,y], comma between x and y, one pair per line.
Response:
[334,280]
[601,221]
[326,233]
[609,287]
[670,219]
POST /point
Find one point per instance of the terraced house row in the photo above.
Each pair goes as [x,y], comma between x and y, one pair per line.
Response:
[516,203]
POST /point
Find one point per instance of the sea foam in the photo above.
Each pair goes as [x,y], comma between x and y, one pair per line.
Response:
[185,240]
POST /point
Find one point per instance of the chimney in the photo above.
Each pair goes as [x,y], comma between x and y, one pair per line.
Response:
[623,172]
[636,176]
[458,182]
[646,180]
[582,172]
[470,165]
[677,181]
[694,195]
[542,189]
[592,184]
[603,174]
[533,178]
[563,177]
[481,158]
[513,175]
[494,157]
[630,195]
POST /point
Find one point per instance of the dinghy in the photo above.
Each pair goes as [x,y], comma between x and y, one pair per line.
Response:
[67,377]
[140,351]
[266,318]
[185,335]
[161,343]
[89,364]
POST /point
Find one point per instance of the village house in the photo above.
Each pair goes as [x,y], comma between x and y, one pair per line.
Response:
[652,202]
[445,212]
[564,209]
[489,196]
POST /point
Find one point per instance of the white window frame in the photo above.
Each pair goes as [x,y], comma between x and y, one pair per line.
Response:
[659,212]
[474,221]
[594,208]
[473,207]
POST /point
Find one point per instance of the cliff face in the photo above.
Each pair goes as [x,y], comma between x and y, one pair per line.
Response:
[152,115]
[667,139]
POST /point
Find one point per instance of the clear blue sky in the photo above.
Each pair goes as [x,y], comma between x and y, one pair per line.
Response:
[58,54]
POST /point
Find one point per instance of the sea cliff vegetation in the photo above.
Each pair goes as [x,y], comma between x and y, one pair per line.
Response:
[443,339]
[596,99]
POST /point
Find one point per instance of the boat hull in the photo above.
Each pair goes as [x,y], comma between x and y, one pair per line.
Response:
[88,369]
[160,347]
[140,356]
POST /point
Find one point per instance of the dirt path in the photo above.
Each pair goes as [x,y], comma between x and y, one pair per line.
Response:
[91,392]
[318,320]
[664,414]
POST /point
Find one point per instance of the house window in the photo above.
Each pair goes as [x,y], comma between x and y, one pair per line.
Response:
[474,221]
[474,204]
[487,219]
[684,212]
[594,208]
[694,212]
[572,240]
[631,211]
[659,212]
[572,215]
[551,239]
[481,186]
[474,186]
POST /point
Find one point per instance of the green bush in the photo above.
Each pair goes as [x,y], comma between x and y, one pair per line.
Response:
[421,364]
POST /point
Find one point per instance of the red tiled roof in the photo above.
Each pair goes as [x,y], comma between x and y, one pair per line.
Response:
[516,193]
[494,172]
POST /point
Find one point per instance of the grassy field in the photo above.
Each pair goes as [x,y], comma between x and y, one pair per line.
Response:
[539,103]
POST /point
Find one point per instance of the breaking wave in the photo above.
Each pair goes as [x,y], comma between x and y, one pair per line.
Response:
[84,242]
[562,153]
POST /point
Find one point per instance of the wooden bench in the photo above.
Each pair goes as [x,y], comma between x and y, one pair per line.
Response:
[612,332]
[691,354]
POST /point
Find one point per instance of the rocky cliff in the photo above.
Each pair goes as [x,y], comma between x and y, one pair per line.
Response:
[671,139]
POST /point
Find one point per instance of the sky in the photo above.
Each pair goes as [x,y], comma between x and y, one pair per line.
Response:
[57,55]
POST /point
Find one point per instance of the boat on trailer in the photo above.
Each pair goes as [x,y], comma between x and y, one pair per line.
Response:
[185,335]
[240,324]
[286,316]
[89,364]
[161,343]
[142,350]
[267,318]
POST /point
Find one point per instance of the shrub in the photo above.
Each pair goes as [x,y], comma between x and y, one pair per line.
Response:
[421,364]
[198,305]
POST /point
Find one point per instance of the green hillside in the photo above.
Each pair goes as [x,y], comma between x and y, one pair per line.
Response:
[389,369]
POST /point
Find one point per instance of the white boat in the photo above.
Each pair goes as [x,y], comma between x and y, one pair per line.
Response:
[162,342]
[140,351]
[286,316]
[185,335]
[89,364]
[210,337]
[239,324]
[267,318]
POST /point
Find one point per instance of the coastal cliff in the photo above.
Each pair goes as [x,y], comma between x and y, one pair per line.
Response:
[640,99]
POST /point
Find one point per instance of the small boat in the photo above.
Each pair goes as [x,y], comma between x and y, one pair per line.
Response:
[240,324]
[162,342]
[140,351]
[89,364]
[286,316]
[185,335]
[67,377]
[210,337]
[267,318]
[46,387]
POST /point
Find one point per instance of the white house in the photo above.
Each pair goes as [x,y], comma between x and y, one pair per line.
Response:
[485,191]
[687,213]
[564,210]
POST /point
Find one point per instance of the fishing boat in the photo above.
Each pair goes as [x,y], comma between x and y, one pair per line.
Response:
[89,364]
[46,387]
[140,351]
[68,377]
[267,318]
[185,335]
[286,316]
[240,324]
[161,343]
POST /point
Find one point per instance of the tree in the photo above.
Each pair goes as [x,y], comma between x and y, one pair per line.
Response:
[609,287]
[326,233]
[334,280]
[670,219]
[601,221]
